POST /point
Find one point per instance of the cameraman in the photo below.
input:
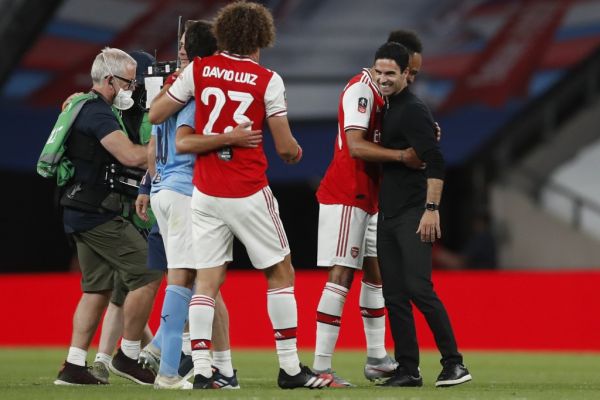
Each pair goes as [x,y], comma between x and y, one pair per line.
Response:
[106,243]
[135,121]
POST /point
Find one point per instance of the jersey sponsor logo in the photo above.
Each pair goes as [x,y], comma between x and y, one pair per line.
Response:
[354,251]
[229,75]
[376,136]
[362,105]
[225,154]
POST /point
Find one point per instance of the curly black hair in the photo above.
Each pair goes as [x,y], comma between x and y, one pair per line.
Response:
[244,27]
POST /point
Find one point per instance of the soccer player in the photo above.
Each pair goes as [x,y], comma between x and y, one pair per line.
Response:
[170,196]
[231,195]
[413,44]
[348,209]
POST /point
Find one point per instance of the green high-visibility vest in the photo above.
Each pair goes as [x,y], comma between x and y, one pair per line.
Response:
[52,162]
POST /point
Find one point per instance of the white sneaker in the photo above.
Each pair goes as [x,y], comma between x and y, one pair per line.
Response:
[379,368]
[171,382]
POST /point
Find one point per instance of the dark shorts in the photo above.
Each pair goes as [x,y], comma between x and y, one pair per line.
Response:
[114,248]
[157,259]
[119,292]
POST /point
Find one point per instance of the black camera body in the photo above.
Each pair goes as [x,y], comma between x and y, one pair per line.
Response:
[161,68]
[123,180]
[154,77]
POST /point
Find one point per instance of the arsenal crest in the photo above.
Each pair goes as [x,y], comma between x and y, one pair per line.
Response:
[362,105]
[354,251]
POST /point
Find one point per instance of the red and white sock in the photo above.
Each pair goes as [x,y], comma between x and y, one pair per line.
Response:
[329,319]
[202,312]
[372,309]
[283,313]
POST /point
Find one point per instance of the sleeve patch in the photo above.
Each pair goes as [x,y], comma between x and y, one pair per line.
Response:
[362,104]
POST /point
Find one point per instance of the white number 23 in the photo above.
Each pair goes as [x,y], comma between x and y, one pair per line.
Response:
[245,99]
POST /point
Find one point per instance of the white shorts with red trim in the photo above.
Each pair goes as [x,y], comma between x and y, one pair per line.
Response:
[254,220]
[346,235]
[173,214]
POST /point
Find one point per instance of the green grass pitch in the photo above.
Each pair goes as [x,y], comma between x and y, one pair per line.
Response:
[29,373]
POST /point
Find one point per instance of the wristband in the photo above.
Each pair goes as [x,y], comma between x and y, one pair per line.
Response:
[145,184]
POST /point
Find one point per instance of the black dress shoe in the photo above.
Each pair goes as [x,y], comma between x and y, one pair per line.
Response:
[402,378]
[453,374]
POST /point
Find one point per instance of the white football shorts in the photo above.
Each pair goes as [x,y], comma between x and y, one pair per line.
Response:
[173,214]
[254,220]
[346,235]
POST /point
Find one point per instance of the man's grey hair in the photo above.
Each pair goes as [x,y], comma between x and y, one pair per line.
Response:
[110,61]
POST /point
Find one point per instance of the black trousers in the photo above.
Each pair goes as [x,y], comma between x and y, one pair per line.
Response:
[405,264]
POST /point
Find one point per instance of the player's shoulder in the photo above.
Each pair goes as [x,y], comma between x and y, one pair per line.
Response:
[364,80]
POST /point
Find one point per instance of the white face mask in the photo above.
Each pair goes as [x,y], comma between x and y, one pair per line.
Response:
[123,100]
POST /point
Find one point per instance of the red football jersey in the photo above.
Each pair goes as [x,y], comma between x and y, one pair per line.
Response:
[230,90]
[352,181]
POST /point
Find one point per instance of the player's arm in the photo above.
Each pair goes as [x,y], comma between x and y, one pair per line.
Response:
[68,100]
[360,147]
[151,155]
[422,135]
[186,141]
[142,202]
[358,102]
[162,108]
[285,144]
[172,97]
[124,150]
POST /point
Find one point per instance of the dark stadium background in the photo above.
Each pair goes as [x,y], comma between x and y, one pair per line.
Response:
[48,47]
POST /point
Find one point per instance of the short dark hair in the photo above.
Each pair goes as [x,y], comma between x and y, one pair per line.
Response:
[189,23]
[408,39]
[244,27]
[199,39]
[393,51]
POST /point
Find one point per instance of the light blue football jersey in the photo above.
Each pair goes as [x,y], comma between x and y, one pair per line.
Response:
[173,171]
